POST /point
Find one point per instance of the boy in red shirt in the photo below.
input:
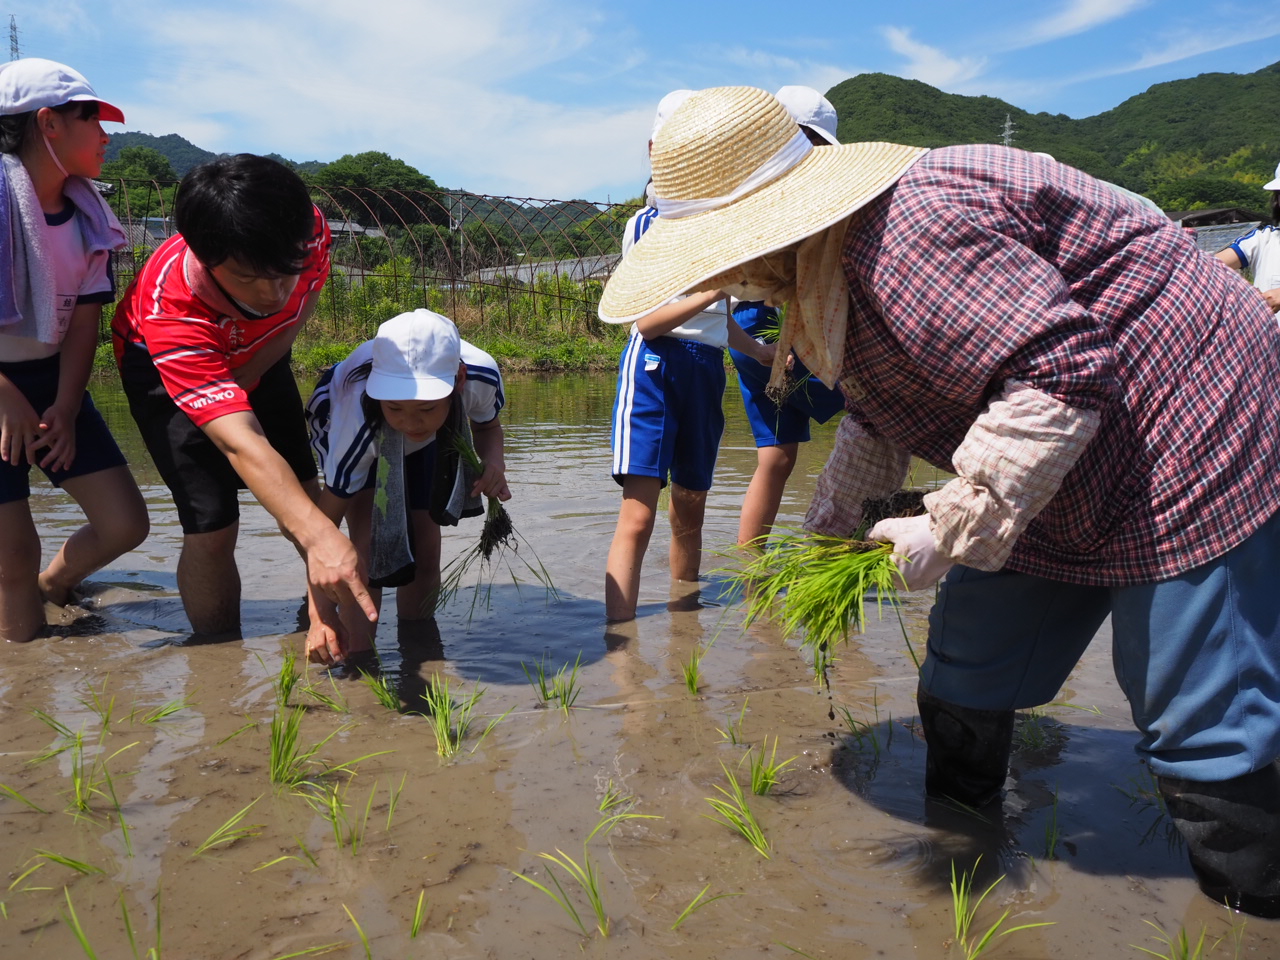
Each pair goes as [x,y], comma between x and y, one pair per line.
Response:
[202,339]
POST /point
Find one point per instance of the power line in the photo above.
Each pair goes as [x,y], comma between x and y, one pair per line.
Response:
[14,52]
[1006,135]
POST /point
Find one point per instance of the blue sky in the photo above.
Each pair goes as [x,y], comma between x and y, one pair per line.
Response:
[554,98]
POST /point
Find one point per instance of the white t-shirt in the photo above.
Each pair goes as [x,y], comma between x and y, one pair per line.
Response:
[1260,252]
[80,277]
[344,443]
[711,326]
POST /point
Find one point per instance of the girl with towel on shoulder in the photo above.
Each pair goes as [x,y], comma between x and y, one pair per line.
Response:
[56,238]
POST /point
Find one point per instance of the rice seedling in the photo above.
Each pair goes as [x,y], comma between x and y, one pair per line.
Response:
[9,791]
[613,797]
[732,731]
[313,951]
[765,773]
[863,733]
[165,710]
[585,874]
[98,703]
[153,953]
[250,724]
[1051,832]
[67,738]
[697,903]
[565,687]
[966,908]
[819,585]
[498,542]
[331,804]
[450,721]
[364,940]
[795,950]
[290,764]
[288,677]
[90,778]
[26,873]
[692,669]
[231,831]
[539,680]
[384,690]
[73,922]
[79,866]
[393,799]
[1178,945]
[419,915]
[333,698]
[735,814]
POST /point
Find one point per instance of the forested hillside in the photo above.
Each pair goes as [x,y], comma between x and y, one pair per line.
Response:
[1208,141]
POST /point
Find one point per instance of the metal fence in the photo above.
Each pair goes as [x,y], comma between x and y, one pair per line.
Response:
[505,262]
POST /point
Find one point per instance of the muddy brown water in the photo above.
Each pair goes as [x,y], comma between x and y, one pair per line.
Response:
[858,869]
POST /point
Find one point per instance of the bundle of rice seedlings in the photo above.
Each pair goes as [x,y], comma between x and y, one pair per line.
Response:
[498,541]
[817,585]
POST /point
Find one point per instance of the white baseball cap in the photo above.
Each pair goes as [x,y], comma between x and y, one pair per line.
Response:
[31,83]
[666,107]
[415,357]
[810,109]
[1274,184]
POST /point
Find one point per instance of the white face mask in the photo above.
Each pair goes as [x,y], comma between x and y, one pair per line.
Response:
[56,162]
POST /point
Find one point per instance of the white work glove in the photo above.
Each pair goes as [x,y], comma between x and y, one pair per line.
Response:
[915,550]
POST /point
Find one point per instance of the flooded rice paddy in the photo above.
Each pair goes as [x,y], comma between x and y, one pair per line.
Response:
[124,751]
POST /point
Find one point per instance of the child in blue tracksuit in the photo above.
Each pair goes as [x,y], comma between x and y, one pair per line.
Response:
[667,420]
[780,428]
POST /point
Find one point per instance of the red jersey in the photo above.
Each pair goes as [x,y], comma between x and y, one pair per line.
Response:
[198,336]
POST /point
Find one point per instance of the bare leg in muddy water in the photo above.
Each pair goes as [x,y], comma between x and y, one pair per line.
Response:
[209,581]
[688,508]
[764,494]
[21,609]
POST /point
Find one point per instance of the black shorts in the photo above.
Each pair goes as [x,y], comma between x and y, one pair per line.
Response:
[201,479]
[96,449]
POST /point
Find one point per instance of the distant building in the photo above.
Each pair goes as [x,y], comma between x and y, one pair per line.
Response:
[598,267]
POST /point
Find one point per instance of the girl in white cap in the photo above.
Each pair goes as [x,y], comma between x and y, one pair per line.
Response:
[55,275]
[385,408]
[1260,251]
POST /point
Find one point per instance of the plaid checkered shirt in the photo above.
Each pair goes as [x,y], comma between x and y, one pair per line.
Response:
[984,266]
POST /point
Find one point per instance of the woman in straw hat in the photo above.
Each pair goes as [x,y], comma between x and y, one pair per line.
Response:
[1103,393]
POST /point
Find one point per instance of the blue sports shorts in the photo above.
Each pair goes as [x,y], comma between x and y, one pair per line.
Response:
[96,449]
[1198,656]
[668,415]
[772,425]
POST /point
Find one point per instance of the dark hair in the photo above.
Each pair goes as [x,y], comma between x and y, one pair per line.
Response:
[1275,207]
[370,407]
[13,128]
[248,207]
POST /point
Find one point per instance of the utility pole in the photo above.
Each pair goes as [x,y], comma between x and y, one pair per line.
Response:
[14,52]
[1006,136]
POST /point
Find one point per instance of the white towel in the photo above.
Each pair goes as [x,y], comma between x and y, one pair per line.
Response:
[28,290]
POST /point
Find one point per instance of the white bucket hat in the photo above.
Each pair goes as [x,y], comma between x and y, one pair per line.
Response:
[1275,183]
[666,107]
[735,178]
[415,357]
[810,109]
[31,83]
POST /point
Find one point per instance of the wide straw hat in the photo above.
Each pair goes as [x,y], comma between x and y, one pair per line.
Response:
[735,178]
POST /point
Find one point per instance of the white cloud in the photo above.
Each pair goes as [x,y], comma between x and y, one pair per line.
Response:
[930,64]
[1077,16]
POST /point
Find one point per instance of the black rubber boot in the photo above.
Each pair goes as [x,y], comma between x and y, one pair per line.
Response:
[968,751]
[1232,829]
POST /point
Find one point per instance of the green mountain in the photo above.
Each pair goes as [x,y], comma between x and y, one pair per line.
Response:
[182,154]
[1207,141]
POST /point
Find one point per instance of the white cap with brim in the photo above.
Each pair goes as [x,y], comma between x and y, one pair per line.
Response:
[735,178]
[31,83]
[1274,184]
[415,357]
[810,109]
